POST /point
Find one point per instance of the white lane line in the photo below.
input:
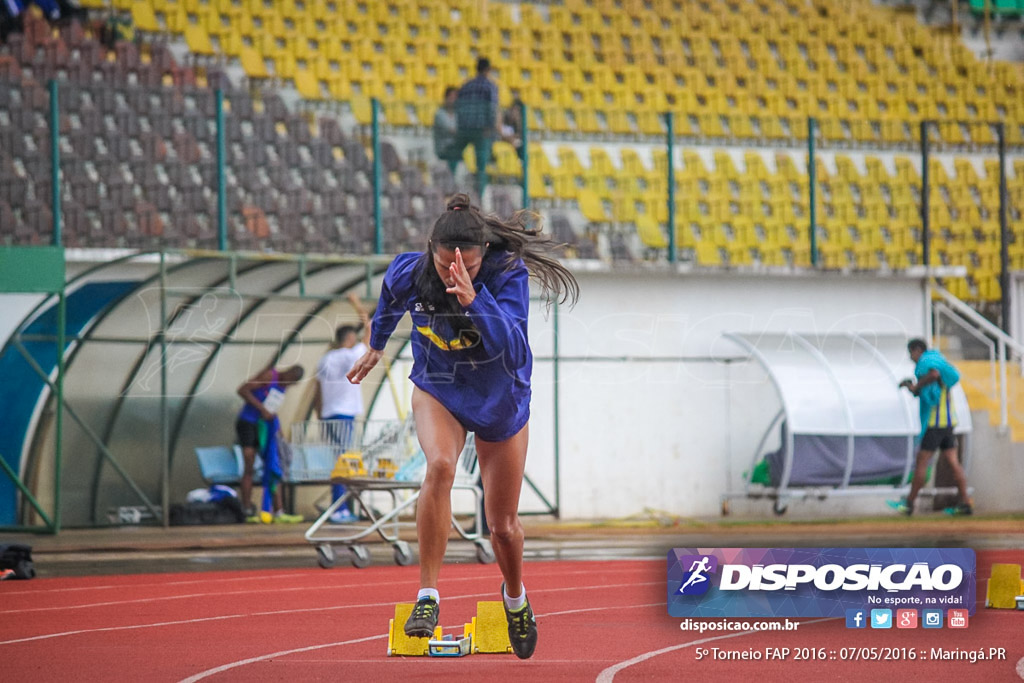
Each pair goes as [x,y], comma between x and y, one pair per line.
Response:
[303,610]
[120,586]
[252,660]
[261,658]
[263,577]
[608,675]
[315,587]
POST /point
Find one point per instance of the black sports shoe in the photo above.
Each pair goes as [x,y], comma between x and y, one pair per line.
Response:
[522,628]
[423,620]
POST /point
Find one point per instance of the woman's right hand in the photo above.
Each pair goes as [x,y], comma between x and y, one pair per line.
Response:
[361,368]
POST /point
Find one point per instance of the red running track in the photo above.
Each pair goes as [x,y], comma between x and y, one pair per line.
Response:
[598,621]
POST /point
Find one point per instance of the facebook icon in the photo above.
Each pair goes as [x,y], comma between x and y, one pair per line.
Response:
[856,618]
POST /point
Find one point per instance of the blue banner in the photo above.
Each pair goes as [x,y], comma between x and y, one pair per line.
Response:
[817,582]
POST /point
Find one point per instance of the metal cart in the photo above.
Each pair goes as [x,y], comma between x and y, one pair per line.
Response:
[379,456]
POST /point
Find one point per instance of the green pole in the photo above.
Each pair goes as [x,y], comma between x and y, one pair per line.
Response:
[525,126]
[378,233]
[13,476]
[222,204]
[58,445]
[671,140]
[812,175]
[926,238]
[1004,232]
[55,162]
[554,372]
[165,459]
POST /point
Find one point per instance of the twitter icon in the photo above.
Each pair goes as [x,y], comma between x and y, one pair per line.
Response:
[881,618]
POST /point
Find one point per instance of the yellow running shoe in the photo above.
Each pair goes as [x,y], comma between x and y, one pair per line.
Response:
[285,518]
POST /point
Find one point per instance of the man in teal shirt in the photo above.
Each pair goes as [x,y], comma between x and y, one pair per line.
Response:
[935,377]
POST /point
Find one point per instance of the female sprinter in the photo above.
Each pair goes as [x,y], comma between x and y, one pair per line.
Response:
[469,298]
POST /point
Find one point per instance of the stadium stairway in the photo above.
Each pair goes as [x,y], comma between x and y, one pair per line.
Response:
[981,387]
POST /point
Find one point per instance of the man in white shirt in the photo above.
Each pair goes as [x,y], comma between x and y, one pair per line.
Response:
[337,400]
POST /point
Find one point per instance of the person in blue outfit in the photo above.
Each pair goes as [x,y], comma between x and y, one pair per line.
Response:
[256,428]
[468,295]
[935,376]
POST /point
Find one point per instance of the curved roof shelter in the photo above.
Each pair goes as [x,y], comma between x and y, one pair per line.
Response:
[846,427]
[154,355]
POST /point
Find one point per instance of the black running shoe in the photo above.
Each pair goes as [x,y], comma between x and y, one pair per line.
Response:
[522,628]
[423,620]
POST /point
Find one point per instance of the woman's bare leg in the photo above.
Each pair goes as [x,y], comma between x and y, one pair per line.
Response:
[442,437]
[501,468]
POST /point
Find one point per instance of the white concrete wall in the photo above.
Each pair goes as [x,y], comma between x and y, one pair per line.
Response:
[667,427]
[655,410]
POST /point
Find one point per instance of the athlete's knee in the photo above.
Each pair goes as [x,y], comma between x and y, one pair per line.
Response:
[504,528]
[441,471]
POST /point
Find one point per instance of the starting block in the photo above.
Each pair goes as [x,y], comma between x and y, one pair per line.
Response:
[401,644]
[1005,588]
[489,629]
[487,633]
[450,647]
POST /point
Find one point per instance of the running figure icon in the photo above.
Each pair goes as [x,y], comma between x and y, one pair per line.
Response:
[697,573]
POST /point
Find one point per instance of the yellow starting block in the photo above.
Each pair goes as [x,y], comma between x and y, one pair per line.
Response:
[1004,586]
[402,645]
[487,633]
[385,468]
[349,465]
[489,629]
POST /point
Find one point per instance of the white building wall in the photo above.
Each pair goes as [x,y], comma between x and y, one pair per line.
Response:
[656,411]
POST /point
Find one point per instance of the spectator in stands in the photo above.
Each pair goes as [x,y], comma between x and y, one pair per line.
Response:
[257,428]
[12,13]
[337,401]
[478,119]
[469,297]
[935,377]
[512,126]
[445,128]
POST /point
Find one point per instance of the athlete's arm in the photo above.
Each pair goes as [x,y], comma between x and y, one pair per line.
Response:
[394,292]
[254,383]
[501,316]
[932,377]
[398,282]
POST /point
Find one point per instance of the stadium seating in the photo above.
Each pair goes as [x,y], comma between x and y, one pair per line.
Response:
[598,76]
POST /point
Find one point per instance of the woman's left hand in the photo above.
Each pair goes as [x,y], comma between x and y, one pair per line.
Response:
[460,284]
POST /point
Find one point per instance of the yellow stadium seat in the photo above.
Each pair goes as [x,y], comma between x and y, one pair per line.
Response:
[307,85]
[506,159]
[144,17]
[650,233]
[362,110]
[198,40]
[592,207]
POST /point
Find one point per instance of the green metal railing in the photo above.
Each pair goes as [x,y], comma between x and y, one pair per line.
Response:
[822,139]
